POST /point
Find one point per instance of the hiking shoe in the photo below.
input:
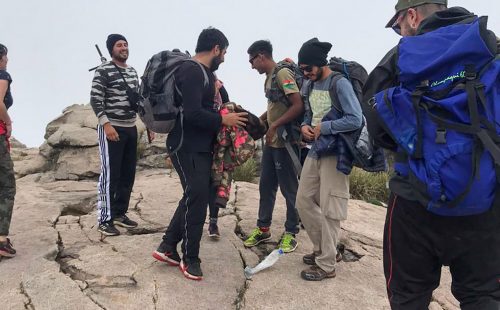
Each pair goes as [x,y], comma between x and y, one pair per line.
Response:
[213,231]
[288,243]
[6,249]
[108,229]
[310,259]
[167,254]
[257,236]
[315,273]
[191,269]
[124,221]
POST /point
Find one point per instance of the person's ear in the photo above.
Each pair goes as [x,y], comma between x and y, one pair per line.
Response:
[413,18]
[217,50]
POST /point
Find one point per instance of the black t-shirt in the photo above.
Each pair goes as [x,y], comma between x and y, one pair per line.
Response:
[201,121]
[8,101]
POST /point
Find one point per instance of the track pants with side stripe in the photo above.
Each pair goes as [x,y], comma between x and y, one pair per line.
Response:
[118,161]
[187,223]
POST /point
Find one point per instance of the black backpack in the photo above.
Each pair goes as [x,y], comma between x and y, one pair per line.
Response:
[158,108]
[275,94]
[352,71]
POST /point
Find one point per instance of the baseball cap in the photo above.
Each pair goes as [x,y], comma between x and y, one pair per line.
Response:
[406,4]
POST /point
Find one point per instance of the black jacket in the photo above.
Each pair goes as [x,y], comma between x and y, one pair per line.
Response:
[201,121]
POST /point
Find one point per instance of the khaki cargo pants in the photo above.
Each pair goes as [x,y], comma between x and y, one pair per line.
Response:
[322,203]
[7,187]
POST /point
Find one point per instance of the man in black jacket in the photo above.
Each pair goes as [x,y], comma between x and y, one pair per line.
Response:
[416,242]
[193,161]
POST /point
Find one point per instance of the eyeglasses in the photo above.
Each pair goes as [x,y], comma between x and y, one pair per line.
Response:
[253,58]
[307,68]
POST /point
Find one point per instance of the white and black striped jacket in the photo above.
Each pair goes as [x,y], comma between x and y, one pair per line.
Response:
[108,96]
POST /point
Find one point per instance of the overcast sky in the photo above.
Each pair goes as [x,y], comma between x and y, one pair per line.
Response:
[51,43]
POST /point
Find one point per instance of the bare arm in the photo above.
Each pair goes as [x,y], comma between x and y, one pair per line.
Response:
[4,116]
[293,112]
[296,108]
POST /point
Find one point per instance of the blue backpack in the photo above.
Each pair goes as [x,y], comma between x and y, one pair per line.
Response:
[445,116]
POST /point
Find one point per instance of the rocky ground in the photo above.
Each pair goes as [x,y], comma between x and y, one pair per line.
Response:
[63,263]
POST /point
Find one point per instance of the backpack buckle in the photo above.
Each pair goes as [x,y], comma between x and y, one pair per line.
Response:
[470,72]
[440,136]
[470,76]
[423,84]
[372,102]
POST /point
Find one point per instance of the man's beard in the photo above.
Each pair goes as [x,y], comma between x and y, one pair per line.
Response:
[216,61]
[411,31]
[318,75]
[120,58]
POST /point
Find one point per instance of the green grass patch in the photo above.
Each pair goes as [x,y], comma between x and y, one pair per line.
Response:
[370,187]
[246,172]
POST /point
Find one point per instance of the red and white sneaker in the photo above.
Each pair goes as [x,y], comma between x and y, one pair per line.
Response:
[167,254]
[191,269]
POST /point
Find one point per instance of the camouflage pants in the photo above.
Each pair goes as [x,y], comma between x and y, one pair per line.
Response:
[7,187]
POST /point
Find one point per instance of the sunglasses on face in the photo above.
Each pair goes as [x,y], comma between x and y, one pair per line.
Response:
[252,59]
[397,24]
[308,68]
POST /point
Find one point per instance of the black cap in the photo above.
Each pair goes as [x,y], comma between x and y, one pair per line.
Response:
[112,39]
[314,52]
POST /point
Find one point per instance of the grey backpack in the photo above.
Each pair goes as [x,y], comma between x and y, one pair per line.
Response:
[158,108]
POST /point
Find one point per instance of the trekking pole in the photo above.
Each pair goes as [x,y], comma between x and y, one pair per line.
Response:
[103,59]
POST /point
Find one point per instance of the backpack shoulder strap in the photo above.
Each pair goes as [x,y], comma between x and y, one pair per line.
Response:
[121,74]
[274,83]
[333,92]
[205,75]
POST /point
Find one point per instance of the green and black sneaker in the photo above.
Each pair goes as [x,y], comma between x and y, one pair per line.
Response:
[257,236]
[288,243]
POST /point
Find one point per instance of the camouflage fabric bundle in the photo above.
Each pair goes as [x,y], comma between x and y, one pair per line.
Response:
[234,147]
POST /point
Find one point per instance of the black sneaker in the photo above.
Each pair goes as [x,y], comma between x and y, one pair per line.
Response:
[108,229]
[191,269]
[6,249]
[124,221]
[213,231]
[167,254]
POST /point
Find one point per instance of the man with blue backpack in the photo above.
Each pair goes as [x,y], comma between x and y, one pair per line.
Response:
[432,100]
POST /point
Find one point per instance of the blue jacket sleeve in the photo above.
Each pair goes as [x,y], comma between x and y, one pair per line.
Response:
[352,117]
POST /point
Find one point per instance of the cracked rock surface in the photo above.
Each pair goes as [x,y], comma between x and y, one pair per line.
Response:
[64,263]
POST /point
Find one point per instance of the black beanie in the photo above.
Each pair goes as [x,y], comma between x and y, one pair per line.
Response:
[112,39]
[314,52]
